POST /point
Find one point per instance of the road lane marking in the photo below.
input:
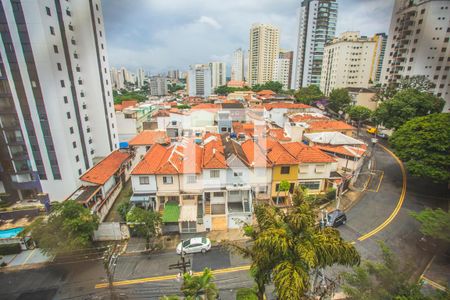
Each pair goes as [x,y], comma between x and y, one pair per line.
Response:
[170,277]
[433,283]
[28,257]
[247,267]
[381,179]
[399,203]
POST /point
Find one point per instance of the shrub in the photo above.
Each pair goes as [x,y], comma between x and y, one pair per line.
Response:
[246,294]
[123,209]
[7,249]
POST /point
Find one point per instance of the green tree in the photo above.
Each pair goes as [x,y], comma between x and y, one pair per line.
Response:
[418,82]
[287,246]
[274,86]
[123,209]
[173,87]
[145,223]
[70,226]
[339,100]
[199,287]
[309,94]
[246,294]
[225,90]
[424,145]
[359,114]
[434,223]
[384,280]
[283,186]
[405,105]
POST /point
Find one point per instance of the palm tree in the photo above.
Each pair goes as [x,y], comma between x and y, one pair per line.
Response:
[288,245]
[283,186]
[199,287]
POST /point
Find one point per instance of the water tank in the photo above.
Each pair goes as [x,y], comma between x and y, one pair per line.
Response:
[123,145]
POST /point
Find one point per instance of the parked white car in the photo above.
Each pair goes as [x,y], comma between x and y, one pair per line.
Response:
[194,245]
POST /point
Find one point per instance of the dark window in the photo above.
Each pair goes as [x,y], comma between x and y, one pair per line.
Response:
[96,6]
[436,77]
[441,58]
[438,68]
[74,144]
[62,83]
[66,100]
[75,55]
[73,42]
[90,141]
[55,48]
[68,115]
[411,59]
[441,86]
[413,50]
[417,31]
[48,10]
[444,49]
[285,170]
[420,21]
[446,40]
[70,27]
[98,20]
[79,170]
[415,41]
[100,33]
[78,68]
[102,46]
[422,11]
[52,30]
[77,158]
[68,13]
[71,130]
[409,69]
[57,176]
[59,66]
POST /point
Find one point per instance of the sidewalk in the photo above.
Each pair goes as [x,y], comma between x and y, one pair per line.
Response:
[25,259]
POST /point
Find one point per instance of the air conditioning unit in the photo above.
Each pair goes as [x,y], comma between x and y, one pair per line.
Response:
[235,184]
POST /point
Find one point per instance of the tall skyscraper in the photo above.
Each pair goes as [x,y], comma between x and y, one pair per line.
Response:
[199,81]
[264,47]
[290,56]
[57,111]
[378,57]
[173,74]
[316,26]
[140,77]
[158,86]
[418,44]
[281,71]
[218,74]
[237,68]
[347,62]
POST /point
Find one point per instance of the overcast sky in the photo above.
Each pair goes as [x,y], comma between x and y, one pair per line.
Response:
[172,34]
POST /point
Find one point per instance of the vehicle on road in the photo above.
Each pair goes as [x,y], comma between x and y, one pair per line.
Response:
[336,218]
[372,130]
[382,135]
[194,245]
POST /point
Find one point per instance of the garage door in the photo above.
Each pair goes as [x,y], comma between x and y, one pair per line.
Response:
[219,223]
[188,227]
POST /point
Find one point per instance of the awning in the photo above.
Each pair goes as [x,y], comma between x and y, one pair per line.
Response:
[169,193]
[143,198]
[171,213]
[188,213]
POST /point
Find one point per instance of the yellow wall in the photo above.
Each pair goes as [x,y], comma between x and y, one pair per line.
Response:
[277,177]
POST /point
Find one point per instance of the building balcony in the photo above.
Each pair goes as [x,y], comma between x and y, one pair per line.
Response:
[26,181]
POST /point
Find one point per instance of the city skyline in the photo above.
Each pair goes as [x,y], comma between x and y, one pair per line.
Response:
[208,33]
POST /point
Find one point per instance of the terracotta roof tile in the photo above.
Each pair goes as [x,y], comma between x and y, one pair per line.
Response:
[213,152]
[307,154]
[149,137]
[107,167]
[206,106]
[266,92]
[286,105]
[351,151]
[329,125]
[278,154]
[255,154]
[307,117]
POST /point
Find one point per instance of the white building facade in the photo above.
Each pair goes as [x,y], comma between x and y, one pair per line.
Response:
[418,44]
[281,71]
[237,68]
[316,26]
[218,74]
[199,81]
[57,113]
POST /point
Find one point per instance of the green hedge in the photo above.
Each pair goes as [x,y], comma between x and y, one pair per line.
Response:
[246,294]
[6,249]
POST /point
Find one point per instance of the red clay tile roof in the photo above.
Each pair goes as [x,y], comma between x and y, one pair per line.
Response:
[307,117]
[118,107]
[278,155]
[279,134]
[330,125]
[206,106]
[213,152]
[255,154]
[183,158]
[161,113]
[307,154]
[129,103]
[266,92]
[286,105]
[107,167]
[149,137]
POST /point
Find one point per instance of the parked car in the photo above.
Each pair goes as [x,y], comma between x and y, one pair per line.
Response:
[336,218]
[194,245]
[371,130]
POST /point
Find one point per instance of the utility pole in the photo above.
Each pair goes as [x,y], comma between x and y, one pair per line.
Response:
[110,257]
[183,264]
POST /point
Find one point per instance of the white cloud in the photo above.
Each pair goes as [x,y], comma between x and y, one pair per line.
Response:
[209,21]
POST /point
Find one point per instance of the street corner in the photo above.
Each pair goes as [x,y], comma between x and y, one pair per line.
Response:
[437,274]
[374,181]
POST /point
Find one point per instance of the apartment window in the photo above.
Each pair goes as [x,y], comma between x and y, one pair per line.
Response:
[62,83]
[413,50]
[104,59]
[79,172]
[285,170]
[417,31]
[77,158]
[55,48]
[237,174]
[214,173]
[70,27]
[311,185]
[438,68]
[92,152]
[101,45]
[90,141]
[98,20]
[71,130]
[58,65]
[167,179]
[320,168]
[88,129]
[218,194]
[86,118]
[441,58]
[411,59]
[436,77]
[66,99]
[68,13]
[422,11]
[74,144]
[68,115]
[100,33]
[75,55]
[443,49]
[47,9]
[415,41]
[144,180]
[52,30]
[191,179]
[78,69]
[420,21]
[96,7]
[446,40]
[73,42]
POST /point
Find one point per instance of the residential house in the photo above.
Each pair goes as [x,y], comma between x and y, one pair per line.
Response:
[132,120]
[279,112]
[316,126]
[146,139]
[236,111]
[348,152]
[102,183]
